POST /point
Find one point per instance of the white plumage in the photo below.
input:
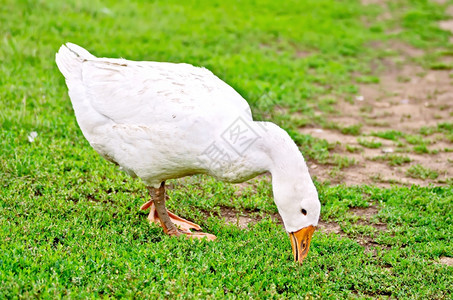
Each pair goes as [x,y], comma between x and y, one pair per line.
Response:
[160,121]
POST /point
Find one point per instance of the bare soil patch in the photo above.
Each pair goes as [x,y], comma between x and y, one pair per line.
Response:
[330,227]
[240,219]
[406,99]
[366,212]
[243,219]
[377,2]
[446,261]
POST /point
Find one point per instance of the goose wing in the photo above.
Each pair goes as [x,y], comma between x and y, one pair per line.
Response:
[149,92]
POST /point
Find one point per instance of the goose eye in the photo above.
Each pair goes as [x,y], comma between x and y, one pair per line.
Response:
[304,211]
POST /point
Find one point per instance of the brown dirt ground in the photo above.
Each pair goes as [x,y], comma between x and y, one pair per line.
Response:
[406,99]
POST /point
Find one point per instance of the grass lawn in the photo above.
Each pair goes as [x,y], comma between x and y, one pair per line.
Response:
[70,224]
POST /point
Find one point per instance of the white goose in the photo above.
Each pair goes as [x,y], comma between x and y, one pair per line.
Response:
[159,121]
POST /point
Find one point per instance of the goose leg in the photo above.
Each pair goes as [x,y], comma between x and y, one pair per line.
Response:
[159,214]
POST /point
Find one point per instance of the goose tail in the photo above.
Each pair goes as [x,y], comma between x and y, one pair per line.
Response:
[69,59]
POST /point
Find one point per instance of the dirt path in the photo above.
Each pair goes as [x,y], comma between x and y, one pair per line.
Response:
[408,100]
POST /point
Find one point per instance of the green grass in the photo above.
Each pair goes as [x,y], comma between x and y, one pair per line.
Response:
[441,66]
[393,159]
[421,149]
[353,149]
[372,144]
[367,79]
[393,135]
[445,128]
[418,171]
[342,161]
[74,244]
[352,130]
[415,139]
[70,224]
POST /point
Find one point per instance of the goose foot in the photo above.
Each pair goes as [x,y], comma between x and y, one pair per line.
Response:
[181,223]
[171,223]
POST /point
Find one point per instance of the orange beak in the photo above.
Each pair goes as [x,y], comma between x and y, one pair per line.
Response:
[300,241]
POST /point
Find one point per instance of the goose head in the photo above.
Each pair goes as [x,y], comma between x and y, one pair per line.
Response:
[299,207]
